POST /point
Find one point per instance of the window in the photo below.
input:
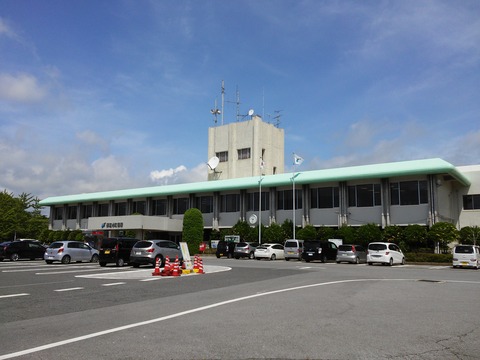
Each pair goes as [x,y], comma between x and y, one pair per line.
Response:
[253,201]
[102,209]
[72,212]
[139,207]
[243,153]
[57,215]
[159,207]
[230,203]
[87,211]
[222,156]
[120,209]
[180,205]
[409,193]
[205,204]
[324,198]
[471,202]
[366,195]
[285,199]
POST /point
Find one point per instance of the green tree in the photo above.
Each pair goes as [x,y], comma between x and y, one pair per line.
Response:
[287,227]
[392,233]
[193,229]
[368,233]
[414,237]
[470,235]
[443,233]
[324,233]
[243,229]
[273,234]
[307,233]
[347,234]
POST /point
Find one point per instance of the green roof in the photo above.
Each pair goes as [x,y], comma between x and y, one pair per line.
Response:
[404,168]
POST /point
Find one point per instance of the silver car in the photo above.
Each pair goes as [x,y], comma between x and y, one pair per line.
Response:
[148,251]
[355,254]
[68,251]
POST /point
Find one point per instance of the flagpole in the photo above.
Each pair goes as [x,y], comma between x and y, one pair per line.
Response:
[260,203]
[297,160]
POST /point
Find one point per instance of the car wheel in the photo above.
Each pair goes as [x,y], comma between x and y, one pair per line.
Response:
[237,257]
[136,265]
[338,262]
[324,259]
[403,261]
[103,264]
[390,262]
[357,261]
[370,263]
[287,259]
[14,257]
[94,258]
[49,261]
[273,257]
[251,255]
[307,260]
[218,256]
[120,262]
[66,259]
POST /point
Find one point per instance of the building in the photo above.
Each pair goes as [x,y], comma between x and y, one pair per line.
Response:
[241,148]
[400,193]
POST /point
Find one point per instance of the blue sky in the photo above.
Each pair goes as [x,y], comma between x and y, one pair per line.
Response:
[103,95]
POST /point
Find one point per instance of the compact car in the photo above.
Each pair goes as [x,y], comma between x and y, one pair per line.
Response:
[245,249]
[384,253]
[115,250]
[68,251]
[293,249]
[355,254]
[270,251]
[319,250]
[466,256]
[149,251]
[22,249]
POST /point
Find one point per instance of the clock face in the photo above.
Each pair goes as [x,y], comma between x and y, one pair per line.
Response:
[252,219]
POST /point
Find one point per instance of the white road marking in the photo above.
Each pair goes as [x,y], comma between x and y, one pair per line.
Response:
[12,295]
[114,284]
[69,289]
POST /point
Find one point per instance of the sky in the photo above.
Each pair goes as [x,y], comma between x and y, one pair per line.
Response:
[103,95]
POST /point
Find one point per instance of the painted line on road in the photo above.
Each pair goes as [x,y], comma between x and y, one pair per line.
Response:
[67,271]
[114,284]
[191,311]
[69,289]
[13,295]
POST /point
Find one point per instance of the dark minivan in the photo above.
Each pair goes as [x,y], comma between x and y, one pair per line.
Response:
[319,250]
[115,250]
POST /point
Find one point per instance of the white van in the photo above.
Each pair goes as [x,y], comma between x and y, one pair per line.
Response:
[466,256]
[293,249]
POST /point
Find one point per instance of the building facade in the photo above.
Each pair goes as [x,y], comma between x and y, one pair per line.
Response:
[411,192]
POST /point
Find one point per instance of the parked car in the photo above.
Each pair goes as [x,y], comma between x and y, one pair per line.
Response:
[67,251]
[293,249]
[270,251]
[148,251]
[319,250]
[384,253]
[115,250]
[466,256]
[25,249]
[225,248]
[355,254]
[245,249]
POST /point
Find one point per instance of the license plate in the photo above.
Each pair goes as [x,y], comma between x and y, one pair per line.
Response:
[464,263]
[138,252]
[310,254]
[107,251]
[291,252]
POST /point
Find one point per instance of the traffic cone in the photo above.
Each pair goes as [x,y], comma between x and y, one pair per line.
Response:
[176,267]
[156,272]
[166,269]
[195,264]
[200,266]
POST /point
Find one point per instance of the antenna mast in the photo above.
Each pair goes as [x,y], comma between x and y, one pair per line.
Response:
[223,99]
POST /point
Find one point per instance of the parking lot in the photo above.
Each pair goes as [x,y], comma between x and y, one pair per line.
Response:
[240,309]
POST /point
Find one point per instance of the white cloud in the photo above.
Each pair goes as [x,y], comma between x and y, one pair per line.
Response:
[167,175]
[21,88]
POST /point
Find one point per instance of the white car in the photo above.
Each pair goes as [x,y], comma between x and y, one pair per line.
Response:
[269,251]
[384,253]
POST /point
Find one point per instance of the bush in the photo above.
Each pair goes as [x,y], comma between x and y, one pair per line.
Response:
[428,258]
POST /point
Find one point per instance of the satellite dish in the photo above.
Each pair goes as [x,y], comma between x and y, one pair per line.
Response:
[251,112]
[213,162]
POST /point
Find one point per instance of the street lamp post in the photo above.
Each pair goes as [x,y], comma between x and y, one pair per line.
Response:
[260,210]
[294,207]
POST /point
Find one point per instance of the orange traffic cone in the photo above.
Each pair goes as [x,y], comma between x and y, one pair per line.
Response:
[156,272]
[166,269]
[200,266]
[195,264]
[176,267]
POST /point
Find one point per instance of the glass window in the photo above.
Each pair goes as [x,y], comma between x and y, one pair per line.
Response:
[222,156]
[471,202]
[58,213]
[120,209]
[159,207]
[87,211]
[285,199]
[243,153]
[324,198]
[253,201]
[102,209]
[180,205]
[230,203]
[72,212]
[205,204]
[409,193]
[366,195]
[139,207]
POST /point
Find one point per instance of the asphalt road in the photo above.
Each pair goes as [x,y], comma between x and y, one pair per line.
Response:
[239,309]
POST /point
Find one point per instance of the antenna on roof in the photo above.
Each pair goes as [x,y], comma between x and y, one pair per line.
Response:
[215,111]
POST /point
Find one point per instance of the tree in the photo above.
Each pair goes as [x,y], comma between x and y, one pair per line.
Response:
[242,229]
[307,233]
[324,233]
[470,235]
[368,233]
[414,237]
[347,234]
[443,233]
[274,233]
[287,227]
[193,229]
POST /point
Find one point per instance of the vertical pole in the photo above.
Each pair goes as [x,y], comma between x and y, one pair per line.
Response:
[293,195]
[260,210]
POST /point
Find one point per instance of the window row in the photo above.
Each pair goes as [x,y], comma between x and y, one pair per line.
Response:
[365,195]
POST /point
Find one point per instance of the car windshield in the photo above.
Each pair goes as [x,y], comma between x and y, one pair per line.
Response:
[142,244]
[345,248]
[290,244]
[464,249]
[377,247]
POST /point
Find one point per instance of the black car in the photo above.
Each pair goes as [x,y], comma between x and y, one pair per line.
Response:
[115,250]
[225,248]
[319,250]
[24,249]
